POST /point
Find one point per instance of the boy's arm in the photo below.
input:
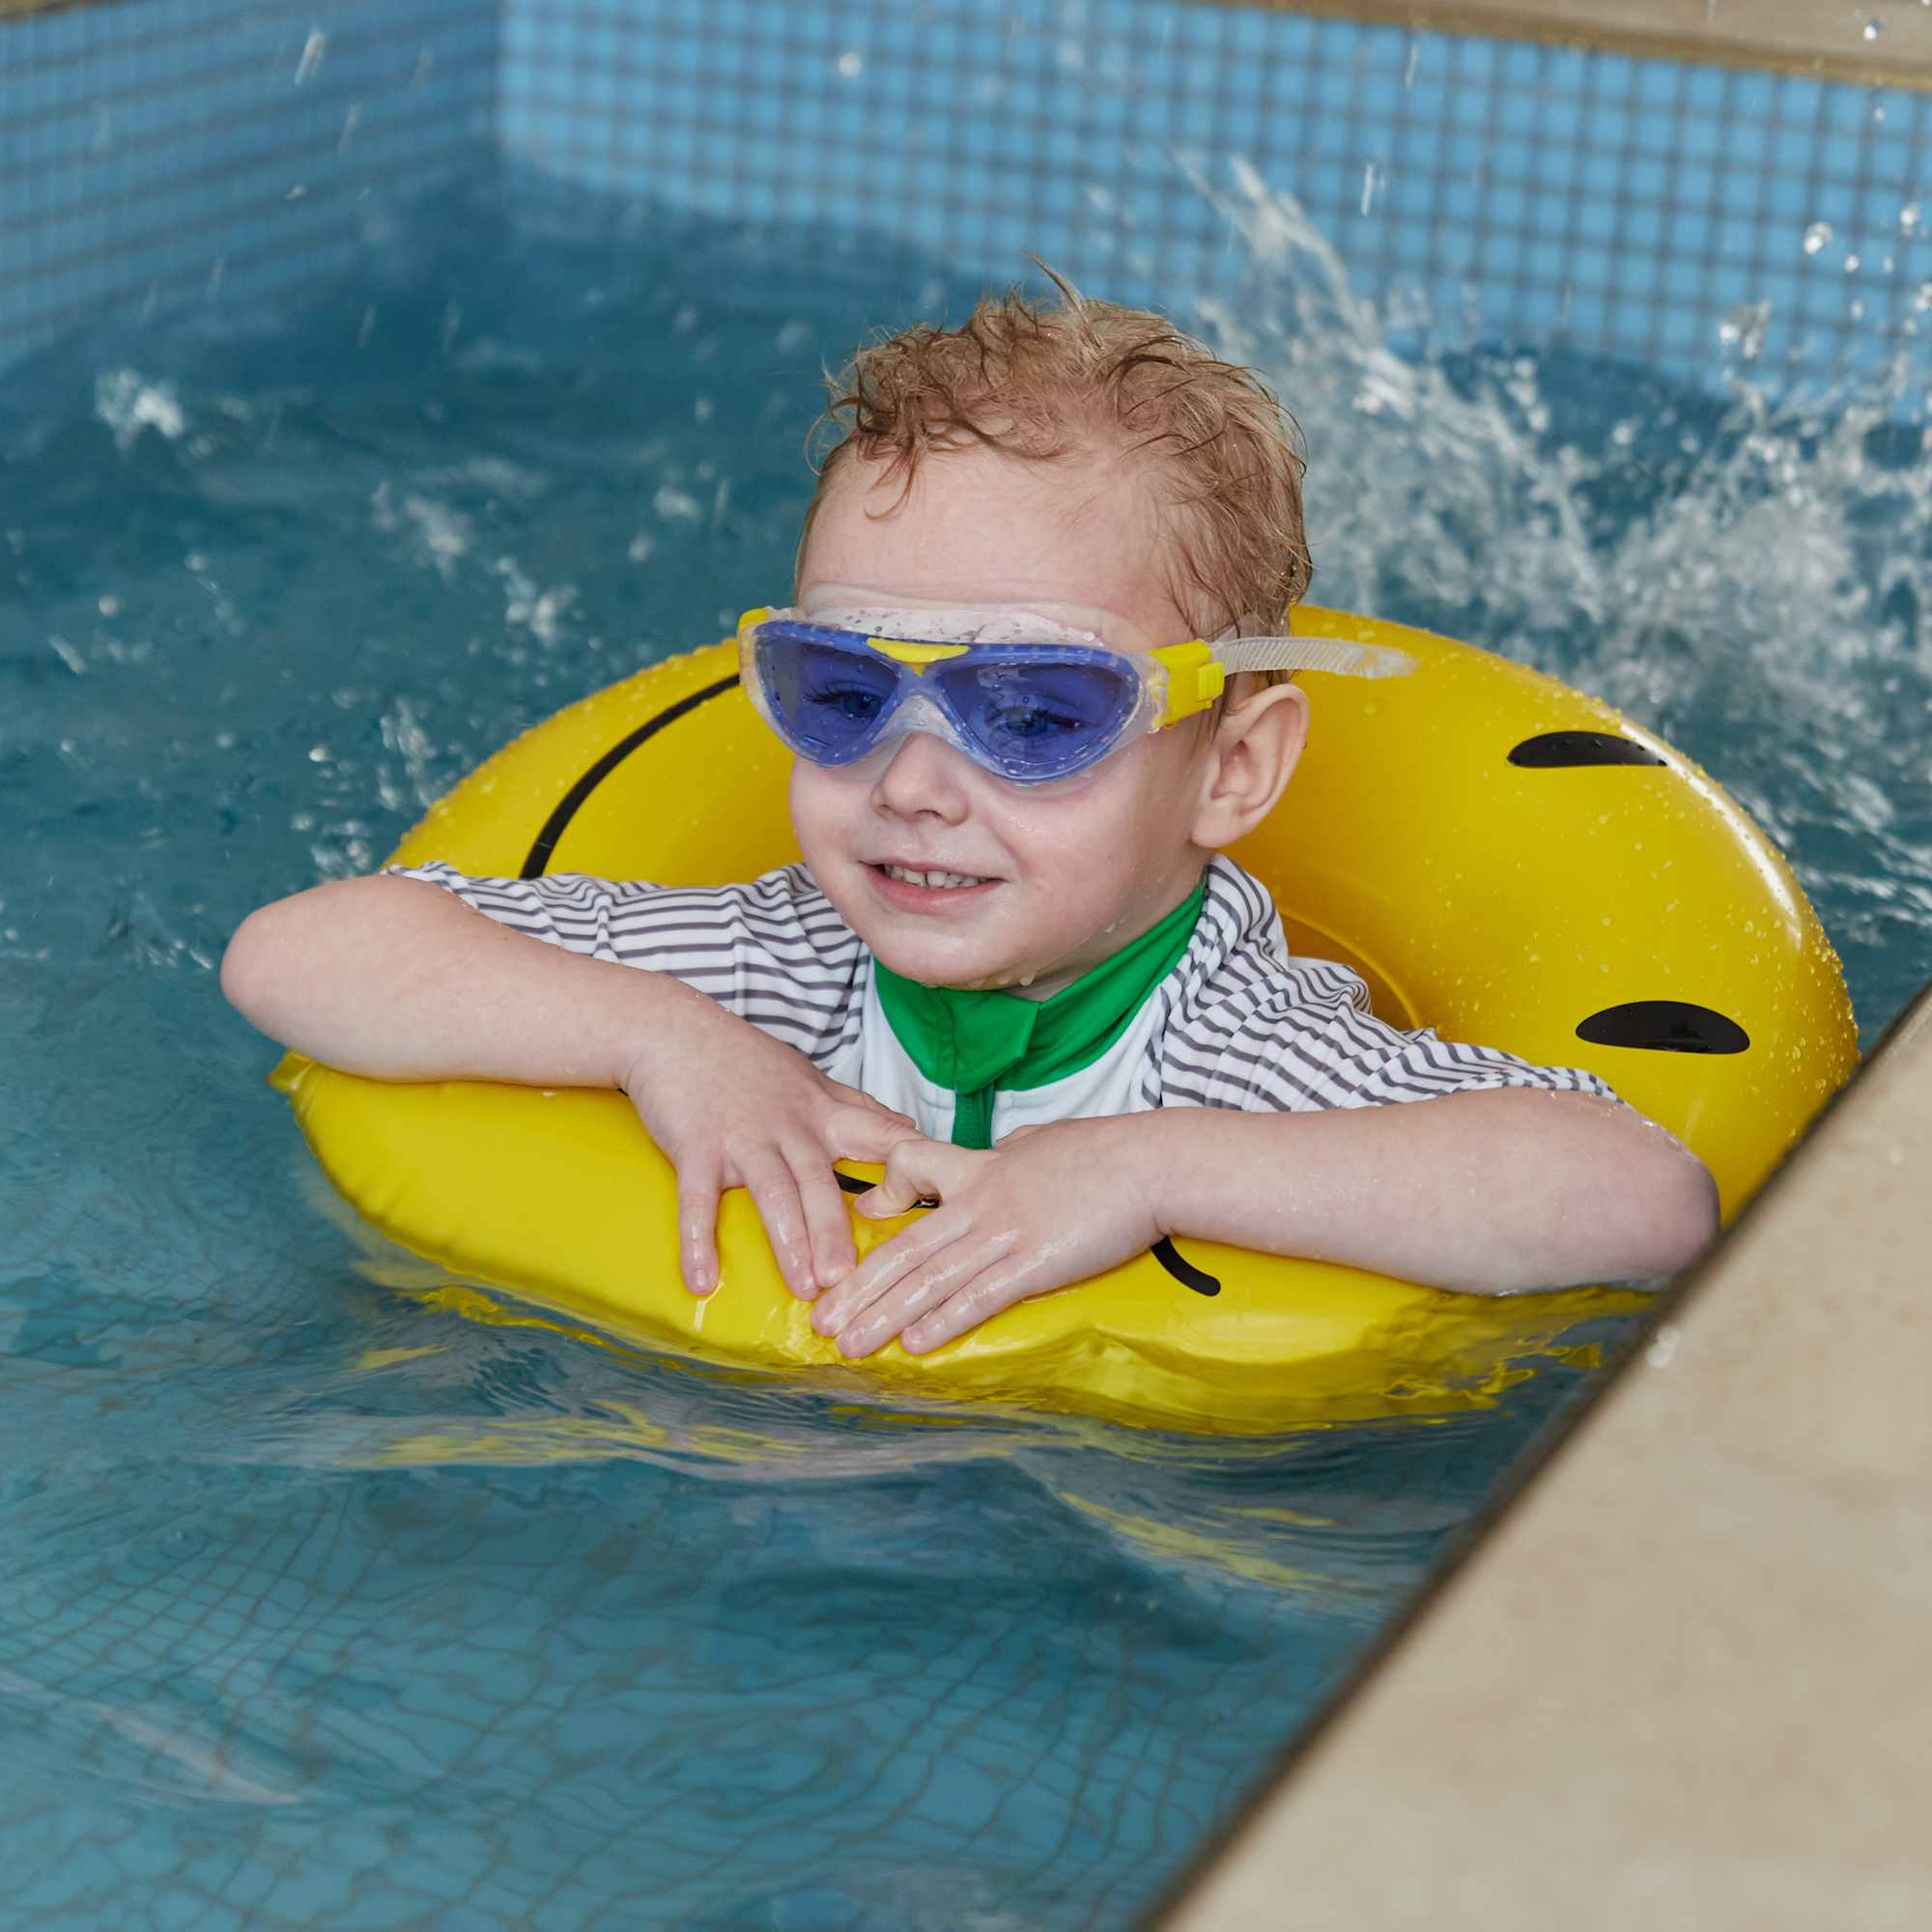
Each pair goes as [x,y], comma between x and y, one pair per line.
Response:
[397,979]
[1487,1192]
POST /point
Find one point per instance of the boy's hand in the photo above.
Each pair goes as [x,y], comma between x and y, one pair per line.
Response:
[732,1107]
[397,979]
[1048,1206]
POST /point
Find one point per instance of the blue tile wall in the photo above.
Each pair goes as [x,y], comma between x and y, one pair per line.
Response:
[153,151]
[1683,217]
[1484,190]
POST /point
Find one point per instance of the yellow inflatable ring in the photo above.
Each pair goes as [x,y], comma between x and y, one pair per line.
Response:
[1500,856]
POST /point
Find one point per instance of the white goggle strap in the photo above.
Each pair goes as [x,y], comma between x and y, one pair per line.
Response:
[1329,654]
[1197,674]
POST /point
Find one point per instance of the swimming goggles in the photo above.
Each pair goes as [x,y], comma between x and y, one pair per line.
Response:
[1030,693]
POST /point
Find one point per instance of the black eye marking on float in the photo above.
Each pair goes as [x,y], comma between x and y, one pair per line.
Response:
[1163,1250]
[1664,1026]
[1556,748]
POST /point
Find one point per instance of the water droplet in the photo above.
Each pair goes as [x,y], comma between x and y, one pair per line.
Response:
[1746,326]
[849,63]
[1873,29]
[1816,235]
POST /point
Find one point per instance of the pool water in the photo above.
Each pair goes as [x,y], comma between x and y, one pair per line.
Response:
[330,1598]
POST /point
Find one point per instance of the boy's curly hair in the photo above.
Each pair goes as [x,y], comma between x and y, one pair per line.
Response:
[1040,381]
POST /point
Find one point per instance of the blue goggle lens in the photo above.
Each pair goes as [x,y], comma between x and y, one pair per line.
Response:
[1027,715]
[831,701]
[1039,718]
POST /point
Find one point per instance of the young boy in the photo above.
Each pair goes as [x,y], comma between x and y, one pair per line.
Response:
[1010,966]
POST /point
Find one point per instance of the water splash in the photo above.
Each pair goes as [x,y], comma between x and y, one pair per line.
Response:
[1744,575]
[127,404]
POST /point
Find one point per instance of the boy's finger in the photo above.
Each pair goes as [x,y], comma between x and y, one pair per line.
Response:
[879,1273]
[921,1291]
[894,1282]
[908,1180]
[868,1103]
[827,1225]
[860,1135]
[888,1198]
[978,1302]
[775,1194]
[697,1233]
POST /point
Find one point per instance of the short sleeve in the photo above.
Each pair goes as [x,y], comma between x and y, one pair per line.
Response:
[774,952]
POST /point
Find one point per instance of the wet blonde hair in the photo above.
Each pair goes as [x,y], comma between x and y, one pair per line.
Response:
[1040,382]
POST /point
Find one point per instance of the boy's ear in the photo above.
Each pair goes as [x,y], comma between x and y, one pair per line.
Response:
[1256,744]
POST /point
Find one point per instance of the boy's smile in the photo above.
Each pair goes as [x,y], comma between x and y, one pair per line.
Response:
[954,876]
[928,880]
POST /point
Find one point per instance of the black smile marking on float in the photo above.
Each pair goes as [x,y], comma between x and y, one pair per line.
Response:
[556,825]
[1664,1026]
[852,1184]
[1163,1250]
[1182,1270]
[1556,748]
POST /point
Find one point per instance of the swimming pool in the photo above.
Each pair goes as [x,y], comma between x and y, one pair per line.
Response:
[329,1598]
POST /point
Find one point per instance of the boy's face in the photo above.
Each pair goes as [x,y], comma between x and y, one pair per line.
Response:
[1057,880]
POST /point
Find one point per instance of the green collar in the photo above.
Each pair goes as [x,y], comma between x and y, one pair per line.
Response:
[977,1043]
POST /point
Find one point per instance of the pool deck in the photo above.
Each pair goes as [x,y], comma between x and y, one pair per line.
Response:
[1789,36]
[1685,1683]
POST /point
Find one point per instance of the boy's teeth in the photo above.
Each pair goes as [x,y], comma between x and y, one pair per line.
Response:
[937,881]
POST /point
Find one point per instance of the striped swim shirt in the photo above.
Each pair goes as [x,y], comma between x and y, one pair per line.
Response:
[1238,1023]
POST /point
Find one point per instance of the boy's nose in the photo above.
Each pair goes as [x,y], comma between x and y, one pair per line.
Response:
[925,776]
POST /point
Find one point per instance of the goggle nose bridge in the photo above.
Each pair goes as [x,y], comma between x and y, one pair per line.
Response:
[915,656]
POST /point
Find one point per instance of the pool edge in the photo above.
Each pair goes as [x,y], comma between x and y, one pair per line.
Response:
[1677,1661]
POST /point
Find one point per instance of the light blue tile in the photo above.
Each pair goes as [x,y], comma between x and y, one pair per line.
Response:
[934,136]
